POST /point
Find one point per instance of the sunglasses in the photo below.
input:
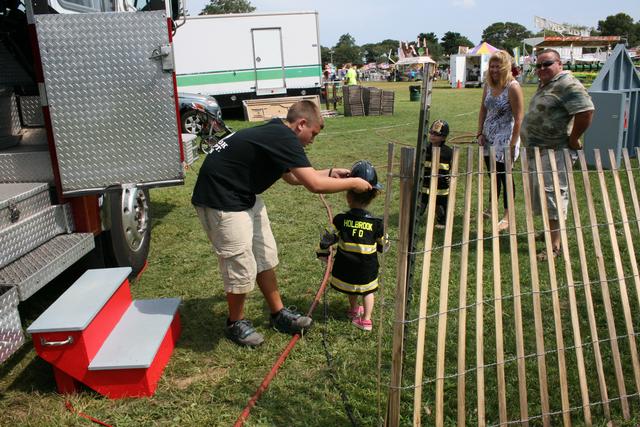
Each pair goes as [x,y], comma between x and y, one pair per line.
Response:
[545,64]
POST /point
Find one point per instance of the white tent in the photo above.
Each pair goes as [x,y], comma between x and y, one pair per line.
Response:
[415,60]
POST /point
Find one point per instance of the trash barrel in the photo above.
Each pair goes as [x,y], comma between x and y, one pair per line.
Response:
[414,93]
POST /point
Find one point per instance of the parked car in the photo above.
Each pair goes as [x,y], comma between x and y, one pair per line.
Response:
[190,120]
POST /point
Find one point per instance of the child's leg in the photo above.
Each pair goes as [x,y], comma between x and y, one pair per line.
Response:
[368,306]
[353,302]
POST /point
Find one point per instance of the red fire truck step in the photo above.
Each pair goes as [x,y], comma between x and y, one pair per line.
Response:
[133,357]
[72,330]
[96,335]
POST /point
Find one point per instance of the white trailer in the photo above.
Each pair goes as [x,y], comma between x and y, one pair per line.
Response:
[245,56]
[469,70]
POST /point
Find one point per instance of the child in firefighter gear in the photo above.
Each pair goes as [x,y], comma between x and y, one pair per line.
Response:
[359,237]
[437,138]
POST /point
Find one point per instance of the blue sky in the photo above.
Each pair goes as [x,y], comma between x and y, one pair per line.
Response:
[371,21]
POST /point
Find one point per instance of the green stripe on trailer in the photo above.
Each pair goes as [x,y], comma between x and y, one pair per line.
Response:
[247,75]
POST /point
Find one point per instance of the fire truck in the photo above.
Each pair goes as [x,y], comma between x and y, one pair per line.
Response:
[89,122]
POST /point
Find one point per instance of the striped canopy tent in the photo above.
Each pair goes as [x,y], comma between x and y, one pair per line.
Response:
[483,48]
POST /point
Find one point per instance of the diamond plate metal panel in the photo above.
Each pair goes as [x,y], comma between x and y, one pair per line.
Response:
[26,167]
[15,116]
[11,336]
[31,232]
[22,199]
[112,107]
[29,161]
[37,268]
[31,111]
[9,114]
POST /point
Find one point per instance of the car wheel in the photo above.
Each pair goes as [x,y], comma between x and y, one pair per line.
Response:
[192,122]
[206,143]
[127,242]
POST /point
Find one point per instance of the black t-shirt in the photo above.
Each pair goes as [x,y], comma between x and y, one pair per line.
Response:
[245,164]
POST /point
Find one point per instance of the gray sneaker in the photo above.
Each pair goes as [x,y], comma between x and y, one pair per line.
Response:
[290,322]
[243,333]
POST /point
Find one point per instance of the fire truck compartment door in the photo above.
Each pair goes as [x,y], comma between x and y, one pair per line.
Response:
[112,107]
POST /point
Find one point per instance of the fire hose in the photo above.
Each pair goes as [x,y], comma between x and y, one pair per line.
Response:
[285,353]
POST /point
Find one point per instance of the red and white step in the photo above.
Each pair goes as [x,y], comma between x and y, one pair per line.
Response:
[95,334]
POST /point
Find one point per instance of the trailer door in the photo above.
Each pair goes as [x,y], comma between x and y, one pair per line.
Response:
[108,85]
[268,61]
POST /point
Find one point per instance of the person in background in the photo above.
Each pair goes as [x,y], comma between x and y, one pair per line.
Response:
[559,113]
[437,138]
[501,112]
[360,237]
[351,77]
[226,198]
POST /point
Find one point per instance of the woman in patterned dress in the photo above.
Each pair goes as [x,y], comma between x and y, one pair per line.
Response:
[501,113]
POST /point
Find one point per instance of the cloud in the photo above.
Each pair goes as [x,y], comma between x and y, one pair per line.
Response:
[467,4]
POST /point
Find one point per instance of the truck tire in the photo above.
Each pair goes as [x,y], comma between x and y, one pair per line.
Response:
[127,242]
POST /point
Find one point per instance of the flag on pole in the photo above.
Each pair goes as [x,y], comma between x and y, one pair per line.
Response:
[516,55]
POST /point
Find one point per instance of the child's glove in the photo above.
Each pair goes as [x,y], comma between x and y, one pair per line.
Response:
[383,243]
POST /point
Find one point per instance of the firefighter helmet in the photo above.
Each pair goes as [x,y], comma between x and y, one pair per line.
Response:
[440,128]
[365,170]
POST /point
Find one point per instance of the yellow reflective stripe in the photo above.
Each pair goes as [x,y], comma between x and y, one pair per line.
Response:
[349,287]
[440,192]
[443,166]
[357,248]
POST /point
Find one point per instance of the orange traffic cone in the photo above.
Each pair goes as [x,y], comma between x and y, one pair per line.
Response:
[459,85]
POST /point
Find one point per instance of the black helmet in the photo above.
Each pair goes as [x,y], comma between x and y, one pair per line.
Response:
[365,170]
[440,128]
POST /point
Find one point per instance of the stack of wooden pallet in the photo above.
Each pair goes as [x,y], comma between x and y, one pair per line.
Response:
[388,97]
[372,97]
[353,102]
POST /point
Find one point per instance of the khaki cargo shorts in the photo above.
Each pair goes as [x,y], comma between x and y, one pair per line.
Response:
[243,243]
[550,197]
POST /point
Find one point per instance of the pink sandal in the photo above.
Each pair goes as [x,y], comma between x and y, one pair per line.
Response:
[355,313]
[360,323]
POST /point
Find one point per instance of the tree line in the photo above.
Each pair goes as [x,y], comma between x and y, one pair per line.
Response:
[503,35]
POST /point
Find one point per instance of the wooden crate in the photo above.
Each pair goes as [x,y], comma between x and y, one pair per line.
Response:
[257,110]
[372,97]
[353,101]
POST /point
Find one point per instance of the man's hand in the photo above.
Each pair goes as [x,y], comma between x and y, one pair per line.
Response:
[575,144]
[340,173]
[360,185]
[481,140]
[581,122]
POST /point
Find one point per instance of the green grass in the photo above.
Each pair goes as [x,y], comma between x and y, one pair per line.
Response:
[209,380]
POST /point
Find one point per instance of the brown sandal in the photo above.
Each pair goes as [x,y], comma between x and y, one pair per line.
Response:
[542,255]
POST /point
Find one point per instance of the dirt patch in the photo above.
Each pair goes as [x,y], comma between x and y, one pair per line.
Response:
[210,375]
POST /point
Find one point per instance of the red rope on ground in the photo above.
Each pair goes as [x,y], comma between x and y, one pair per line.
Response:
[70,407]
[142,270]
[285,353]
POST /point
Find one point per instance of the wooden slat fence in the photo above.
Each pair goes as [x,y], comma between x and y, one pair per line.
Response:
[502,331]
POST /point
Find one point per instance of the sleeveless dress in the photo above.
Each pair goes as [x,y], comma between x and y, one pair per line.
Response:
[498,124]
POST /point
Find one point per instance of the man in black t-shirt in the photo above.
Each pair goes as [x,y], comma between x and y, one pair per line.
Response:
[225,196]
